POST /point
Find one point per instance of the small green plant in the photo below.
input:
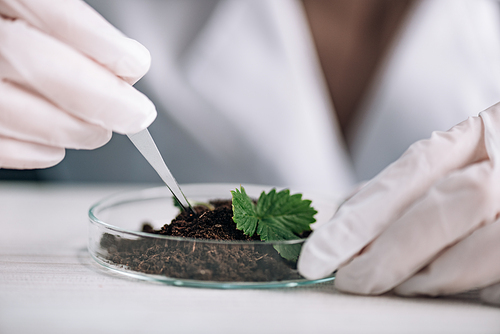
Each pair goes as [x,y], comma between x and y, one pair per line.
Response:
[275,216]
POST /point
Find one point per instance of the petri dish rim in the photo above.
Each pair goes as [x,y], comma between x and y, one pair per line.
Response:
[148,194]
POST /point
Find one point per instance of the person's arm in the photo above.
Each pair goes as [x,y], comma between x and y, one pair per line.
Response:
[427,225]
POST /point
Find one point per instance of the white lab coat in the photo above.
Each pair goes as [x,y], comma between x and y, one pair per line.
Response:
[243,99]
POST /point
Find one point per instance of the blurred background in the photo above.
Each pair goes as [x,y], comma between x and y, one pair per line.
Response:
[315,93]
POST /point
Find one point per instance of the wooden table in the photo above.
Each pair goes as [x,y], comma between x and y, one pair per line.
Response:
[49,284]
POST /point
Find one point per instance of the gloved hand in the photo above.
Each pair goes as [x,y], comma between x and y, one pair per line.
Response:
[66,78]
[426,225]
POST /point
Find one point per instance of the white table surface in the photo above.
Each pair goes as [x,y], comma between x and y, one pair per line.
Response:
[49,284]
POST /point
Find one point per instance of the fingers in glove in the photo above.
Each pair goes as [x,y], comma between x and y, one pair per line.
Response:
[451,210]
[71,81]
[368,213]
[23,155]
[76,24]
[471,263]
[30,118]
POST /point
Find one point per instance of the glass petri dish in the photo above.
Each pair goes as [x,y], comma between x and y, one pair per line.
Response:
[116,243]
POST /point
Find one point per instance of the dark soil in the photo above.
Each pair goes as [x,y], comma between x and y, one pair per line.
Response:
[216,224]
[188,259]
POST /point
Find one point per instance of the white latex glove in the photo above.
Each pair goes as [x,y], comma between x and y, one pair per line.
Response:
[66,78]
[426,225]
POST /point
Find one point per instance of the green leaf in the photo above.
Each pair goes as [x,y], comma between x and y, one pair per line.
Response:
[277,216]
[244,214]
[289,212]
[268,232]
